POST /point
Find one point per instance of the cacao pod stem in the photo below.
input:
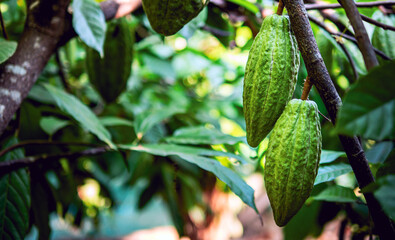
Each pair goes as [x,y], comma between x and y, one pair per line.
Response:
[280,8]
[306,88]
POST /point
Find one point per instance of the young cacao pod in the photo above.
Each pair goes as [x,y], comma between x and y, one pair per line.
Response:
[168,17]
[292,159]
[382,39]
[270,76]
[109,75]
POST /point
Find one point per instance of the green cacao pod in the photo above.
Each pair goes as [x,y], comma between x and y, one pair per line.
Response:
[384,39]
[109,75]
[292,159]
[270,76]
[168,17]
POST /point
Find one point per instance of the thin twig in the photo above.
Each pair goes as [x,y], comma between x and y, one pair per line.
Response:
[9,166]
[5,35]
[44,142]
[377,23]
[280,8]
[306,89]
[61,72]
[359,4]
[346,36]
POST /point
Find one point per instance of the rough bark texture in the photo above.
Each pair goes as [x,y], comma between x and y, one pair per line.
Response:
[319,76]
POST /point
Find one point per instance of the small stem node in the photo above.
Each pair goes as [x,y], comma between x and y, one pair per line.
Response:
[306,89]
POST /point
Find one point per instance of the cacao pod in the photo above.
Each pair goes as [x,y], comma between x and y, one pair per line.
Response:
[382,39]
[109,75]
[270,76]
[292,159]
[168,17]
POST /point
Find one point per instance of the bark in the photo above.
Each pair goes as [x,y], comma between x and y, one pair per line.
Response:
[319,76]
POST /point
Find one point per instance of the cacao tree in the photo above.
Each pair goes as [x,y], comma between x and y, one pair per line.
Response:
[117,116]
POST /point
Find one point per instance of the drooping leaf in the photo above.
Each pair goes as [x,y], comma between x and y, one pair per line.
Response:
[89,23]
[202,135]
[172,149]
[379,152]
[330,172]
[328,156]
[81,113]
[51,125]
[386,194]
[369,106]
[14,199]
[110,121]
[7,49]
[336,193]
[234,181]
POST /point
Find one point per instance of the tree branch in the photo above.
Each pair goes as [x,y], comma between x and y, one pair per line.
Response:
[377,23]
[9,166]
[319,76]
[359,4]
[361,35]
[48,26]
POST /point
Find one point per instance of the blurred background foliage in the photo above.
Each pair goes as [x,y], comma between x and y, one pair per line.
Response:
[184,91]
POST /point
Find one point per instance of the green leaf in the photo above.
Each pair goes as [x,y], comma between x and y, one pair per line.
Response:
[386,194]
[369,106]
[171,149]
[202,135]
[247,5]
[7,49]
[145,121]
[89,23]
[330,172]
[234,181]
[336,193]
[110,121]
[328,156]
[81,113]
[379,152]
[14,199]
[51,125]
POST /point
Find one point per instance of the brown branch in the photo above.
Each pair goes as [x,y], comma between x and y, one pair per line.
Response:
[48,26]
[280,8]
[359,4]
[9,166]
[3,26]
[377,23]
[361,35]
[345,36]
[319,76]
[306,89]
[44,142]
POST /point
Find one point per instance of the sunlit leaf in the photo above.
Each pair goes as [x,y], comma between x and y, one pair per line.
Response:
[369,106]
[7,49]
[172,149]
[202,135]
[110,121]
[14,199]
[81,113]
[89,23]
[328,156]
[336,193]
[330,172]
[234,181]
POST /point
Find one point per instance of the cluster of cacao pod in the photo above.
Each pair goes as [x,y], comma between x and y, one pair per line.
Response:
[168,17]
[109,74]
[294,149]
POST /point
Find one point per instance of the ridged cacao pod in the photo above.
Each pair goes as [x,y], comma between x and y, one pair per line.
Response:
[292,159]
[384,39]
[168,17]
[109,75]
[270,76]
